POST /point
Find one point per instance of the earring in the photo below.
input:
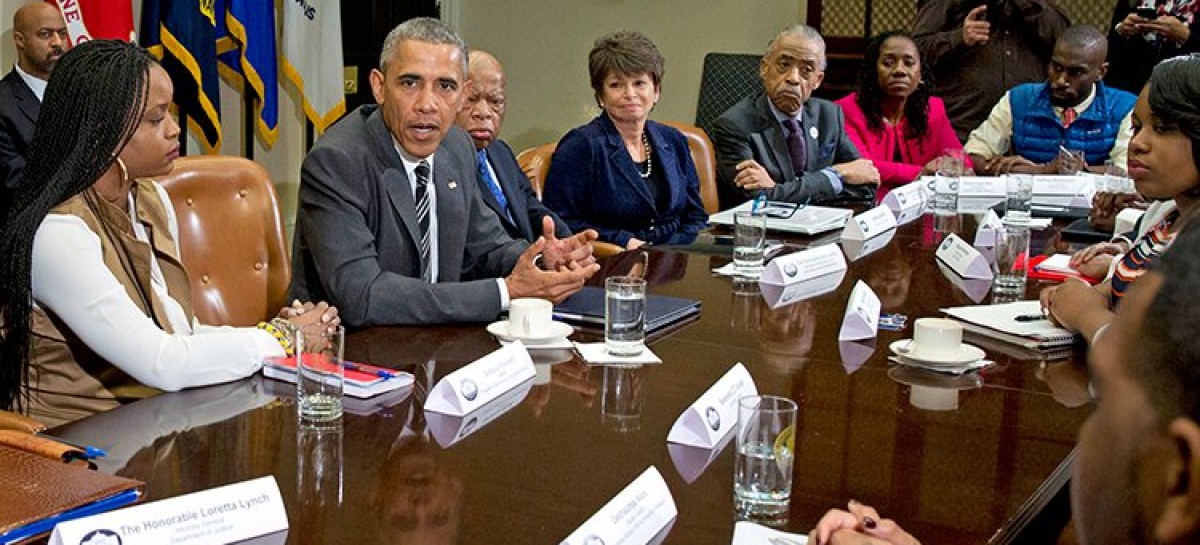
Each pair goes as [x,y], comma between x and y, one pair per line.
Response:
[124,171]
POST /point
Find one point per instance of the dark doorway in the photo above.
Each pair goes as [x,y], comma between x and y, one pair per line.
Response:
[365,23]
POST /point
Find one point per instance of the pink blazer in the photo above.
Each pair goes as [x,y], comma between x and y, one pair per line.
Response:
[880,146]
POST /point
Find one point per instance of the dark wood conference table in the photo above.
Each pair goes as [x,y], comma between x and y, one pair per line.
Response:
[969,467]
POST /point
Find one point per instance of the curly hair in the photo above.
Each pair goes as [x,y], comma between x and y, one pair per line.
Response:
[870,94]
[93,104]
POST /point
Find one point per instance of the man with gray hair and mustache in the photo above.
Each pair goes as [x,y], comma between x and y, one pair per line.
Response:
[786,144]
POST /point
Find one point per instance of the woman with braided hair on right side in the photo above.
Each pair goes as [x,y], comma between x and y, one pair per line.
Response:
[96,305]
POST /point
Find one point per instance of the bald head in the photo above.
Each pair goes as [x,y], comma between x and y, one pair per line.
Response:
[40,36]
[483,110]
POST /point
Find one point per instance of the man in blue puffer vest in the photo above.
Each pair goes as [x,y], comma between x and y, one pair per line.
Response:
[1034,125]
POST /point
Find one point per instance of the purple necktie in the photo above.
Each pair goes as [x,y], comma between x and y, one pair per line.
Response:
[796,146]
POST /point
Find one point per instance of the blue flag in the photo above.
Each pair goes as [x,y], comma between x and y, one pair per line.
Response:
[246,51]
[181,34]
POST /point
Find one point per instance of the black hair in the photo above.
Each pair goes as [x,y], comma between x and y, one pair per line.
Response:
[1174,97]
[1165,359]
[93,104]
[870,95]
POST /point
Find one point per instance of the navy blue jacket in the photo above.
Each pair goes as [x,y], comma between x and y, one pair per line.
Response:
[593,184]
[1037,133]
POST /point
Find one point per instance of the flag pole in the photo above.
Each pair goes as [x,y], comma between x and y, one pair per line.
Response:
[248,124]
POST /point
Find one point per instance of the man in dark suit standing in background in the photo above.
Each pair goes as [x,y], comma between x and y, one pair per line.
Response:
[502,184]
[391,227]
[785,143]
[40,35]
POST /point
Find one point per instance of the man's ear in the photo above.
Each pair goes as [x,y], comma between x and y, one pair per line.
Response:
[820,77]
[1103,70]
[377,81]
[1179,520]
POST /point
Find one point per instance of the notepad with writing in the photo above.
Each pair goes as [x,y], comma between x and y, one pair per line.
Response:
[1000,322]
[362,380]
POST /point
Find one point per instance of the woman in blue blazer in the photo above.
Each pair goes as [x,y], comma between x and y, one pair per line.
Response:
[630,179]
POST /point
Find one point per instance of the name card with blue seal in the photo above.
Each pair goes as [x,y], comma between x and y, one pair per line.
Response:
[985,234]
[963,259]
[910,196]
[450,429]
[869,224]
[481,381]
[714,414]
[635,516]
[226,514]
[861,320]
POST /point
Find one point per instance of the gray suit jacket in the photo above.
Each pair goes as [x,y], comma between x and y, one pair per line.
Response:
[357,239]
[749,130]
[527,210]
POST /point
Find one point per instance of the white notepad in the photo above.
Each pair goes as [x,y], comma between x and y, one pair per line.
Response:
[1000,322]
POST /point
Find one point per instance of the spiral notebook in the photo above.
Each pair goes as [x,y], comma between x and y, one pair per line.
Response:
[1020,323]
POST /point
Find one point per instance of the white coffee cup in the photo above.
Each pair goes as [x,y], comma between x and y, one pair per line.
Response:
[529,317]
[936,339]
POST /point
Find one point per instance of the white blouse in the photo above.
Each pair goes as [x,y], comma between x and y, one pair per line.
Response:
[70,280]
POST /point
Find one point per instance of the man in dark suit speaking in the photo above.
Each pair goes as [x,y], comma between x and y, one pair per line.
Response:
[503,185]
[786,143]
[391,227]
[40,35]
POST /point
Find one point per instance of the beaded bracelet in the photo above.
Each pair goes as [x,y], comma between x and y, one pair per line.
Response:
[278,329]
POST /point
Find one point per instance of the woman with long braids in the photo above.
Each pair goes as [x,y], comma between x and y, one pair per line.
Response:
[96,304]
[892,119]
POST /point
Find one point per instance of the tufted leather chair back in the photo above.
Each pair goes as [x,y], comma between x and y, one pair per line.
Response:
[705,160]
[535,162]
[230,238]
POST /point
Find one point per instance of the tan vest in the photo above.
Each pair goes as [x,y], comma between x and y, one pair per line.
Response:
[67,380]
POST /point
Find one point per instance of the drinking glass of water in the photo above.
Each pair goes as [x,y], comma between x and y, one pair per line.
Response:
[1019,202]
[762,478]
[1012,260]
[321,377]
[950,167]
[749,242]
[625,315]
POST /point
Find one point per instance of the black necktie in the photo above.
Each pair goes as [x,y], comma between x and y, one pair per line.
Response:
[796,146]
[422,198]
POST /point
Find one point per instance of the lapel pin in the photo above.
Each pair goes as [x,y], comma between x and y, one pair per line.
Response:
[812,131]
[452,184]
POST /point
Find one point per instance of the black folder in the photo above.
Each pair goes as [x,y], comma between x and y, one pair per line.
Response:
[586,308]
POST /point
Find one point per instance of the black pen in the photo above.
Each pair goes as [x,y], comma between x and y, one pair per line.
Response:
[1030,317]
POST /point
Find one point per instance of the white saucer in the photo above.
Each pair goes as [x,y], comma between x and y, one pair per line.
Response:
[557,330]
[966,354]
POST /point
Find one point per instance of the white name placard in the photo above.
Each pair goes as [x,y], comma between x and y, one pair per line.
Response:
[906,216]
[861,320]
[1063,190]
[450,429]
[633,517]
[691,461]
[982,186]
[715,413]
[777,296]
[962,258]
[219,515]
[481,381]
[975,288]
[869,224]
[910,196]
[985,234]
[855,353]
[857,249]
[805,265]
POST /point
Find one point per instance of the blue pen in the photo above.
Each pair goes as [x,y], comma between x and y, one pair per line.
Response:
[379,373]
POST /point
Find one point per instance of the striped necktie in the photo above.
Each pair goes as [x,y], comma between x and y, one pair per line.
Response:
[422,198]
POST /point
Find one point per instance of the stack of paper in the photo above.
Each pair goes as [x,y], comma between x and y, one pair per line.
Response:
[1020,323]
[807,220]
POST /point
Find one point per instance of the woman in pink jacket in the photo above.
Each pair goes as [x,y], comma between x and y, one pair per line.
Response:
[892,119]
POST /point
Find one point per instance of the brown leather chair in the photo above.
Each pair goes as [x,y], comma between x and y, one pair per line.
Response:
[705,160]
[230,238]
[535,162]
